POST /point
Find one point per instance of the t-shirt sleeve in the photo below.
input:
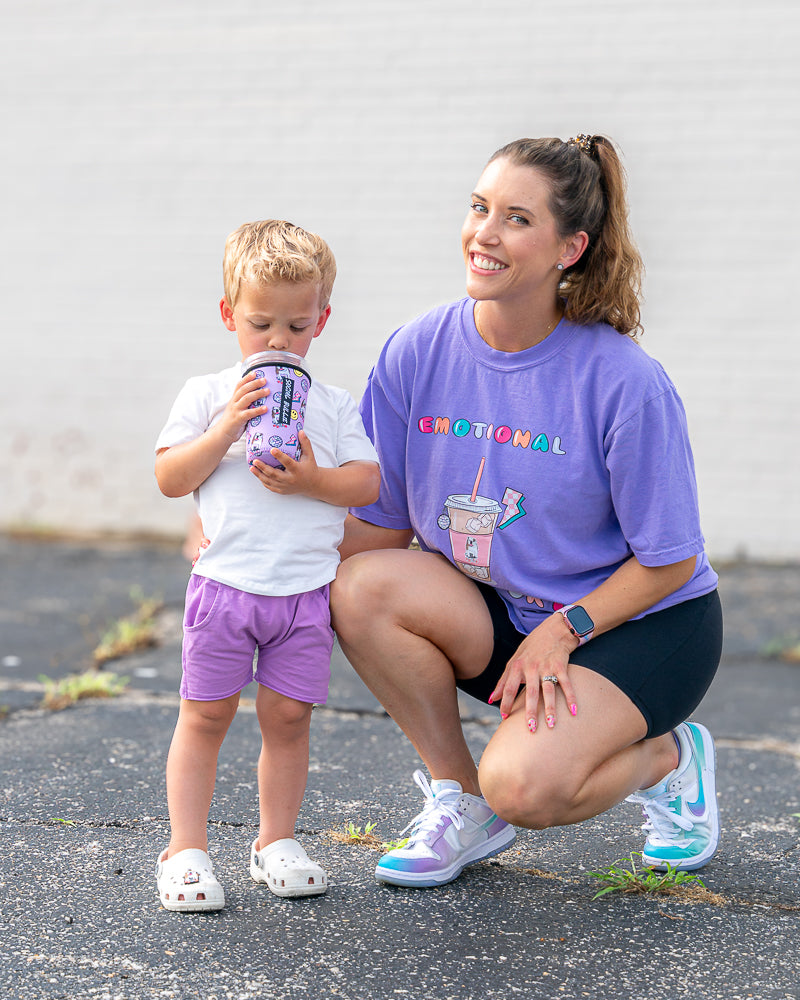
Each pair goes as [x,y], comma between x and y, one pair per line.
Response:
[188,418]
[385,418]
[653,482]
[352,443]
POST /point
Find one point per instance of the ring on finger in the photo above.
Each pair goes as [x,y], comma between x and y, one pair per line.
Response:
[550,677]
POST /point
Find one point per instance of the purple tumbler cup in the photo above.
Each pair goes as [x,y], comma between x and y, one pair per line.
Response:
[288,382]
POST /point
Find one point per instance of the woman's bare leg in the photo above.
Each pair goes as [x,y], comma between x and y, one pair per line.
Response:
[579,768]
[409,622]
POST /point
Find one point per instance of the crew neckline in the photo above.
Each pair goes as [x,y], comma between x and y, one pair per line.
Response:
[530,356]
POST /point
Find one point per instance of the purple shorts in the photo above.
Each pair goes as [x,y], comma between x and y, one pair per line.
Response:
[231,638]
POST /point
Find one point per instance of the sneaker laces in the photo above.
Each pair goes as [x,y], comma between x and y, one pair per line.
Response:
[433,812]
[664,822]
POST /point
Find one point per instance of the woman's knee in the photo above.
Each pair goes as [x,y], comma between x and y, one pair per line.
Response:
[357,592]
[531,796]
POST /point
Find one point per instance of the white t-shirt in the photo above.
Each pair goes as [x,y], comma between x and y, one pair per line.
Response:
[262,542]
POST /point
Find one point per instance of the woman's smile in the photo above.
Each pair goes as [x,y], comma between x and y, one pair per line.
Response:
[481,262]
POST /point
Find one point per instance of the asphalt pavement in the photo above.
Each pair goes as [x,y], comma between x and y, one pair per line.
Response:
[83,817]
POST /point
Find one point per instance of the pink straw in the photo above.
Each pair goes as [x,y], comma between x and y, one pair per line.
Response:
[477,480]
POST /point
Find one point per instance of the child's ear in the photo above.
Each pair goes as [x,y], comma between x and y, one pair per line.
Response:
[323,319]
[227,314]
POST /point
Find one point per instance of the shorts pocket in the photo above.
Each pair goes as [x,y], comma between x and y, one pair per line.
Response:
[201,602]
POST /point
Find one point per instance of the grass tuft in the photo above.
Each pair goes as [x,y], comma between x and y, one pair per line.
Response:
[90,684]
[353,834]
[126,635]
[783,647]
[646,880]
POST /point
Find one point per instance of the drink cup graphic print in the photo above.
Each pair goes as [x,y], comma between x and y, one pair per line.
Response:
[470,520]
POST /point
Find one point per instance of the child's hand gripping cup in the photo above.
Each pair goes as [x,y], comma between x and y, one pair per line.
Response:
[288,382]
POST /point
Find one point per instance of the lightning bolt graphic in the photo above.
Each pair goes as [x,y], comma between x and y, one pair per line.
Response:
[514,509]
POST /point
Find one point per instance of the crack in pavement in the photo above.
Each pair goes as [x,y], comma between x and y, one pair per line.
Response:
[766,744]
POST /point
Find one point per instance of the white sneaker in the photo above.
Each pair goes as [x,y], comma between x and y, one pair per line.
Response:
[681,812]
[454,829]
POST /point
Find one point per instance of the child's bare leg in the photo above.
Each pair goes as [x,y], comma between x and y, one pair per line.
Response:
[282,765]
[192,769]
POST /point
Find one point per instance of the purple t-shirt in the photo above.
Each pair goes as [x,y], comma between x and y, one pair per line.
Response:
[537,472]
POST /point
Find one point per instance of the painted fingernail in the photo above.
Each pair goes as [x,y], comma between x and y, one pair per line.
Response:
[504,715]
[491,698]
[532,725]
[573,709]
[550,720]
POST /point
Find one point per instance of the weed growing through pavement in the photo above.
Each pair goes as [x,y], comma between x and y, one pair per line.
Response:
[136,631]
[783,647]
[644,879]
[76,687]
[394,845]
[353,834]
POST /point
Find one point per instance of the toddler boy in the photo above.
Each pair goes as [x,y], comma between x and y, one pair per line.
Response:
[260,586]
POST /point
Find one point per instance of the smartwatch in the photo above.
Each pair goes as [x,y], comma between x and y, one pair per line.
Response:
[578,622]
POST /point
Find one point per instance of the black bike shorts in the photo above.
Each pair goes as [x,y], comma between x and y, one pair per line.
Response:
[664,662]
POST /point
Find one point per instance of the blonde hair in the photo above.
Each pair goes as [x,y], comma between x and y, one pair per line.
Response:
[587,192]
[274,250]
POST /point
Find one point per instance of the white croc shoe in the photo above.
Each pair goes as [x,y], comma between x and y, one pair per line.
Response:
[186,882]
[285,868]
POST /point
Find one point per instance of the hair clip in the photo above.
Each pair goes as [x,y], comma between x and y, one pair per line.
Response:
[583,141]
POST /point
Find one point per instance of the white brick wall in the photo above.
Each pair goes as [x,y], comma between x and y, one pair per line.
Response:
[136,136]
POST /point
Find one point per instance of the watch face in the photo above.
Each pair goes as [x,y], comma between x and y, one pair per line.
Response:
[579,620]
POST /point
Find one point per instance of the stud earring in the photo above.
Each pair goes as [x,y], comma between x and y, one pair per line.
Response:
[559,267]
